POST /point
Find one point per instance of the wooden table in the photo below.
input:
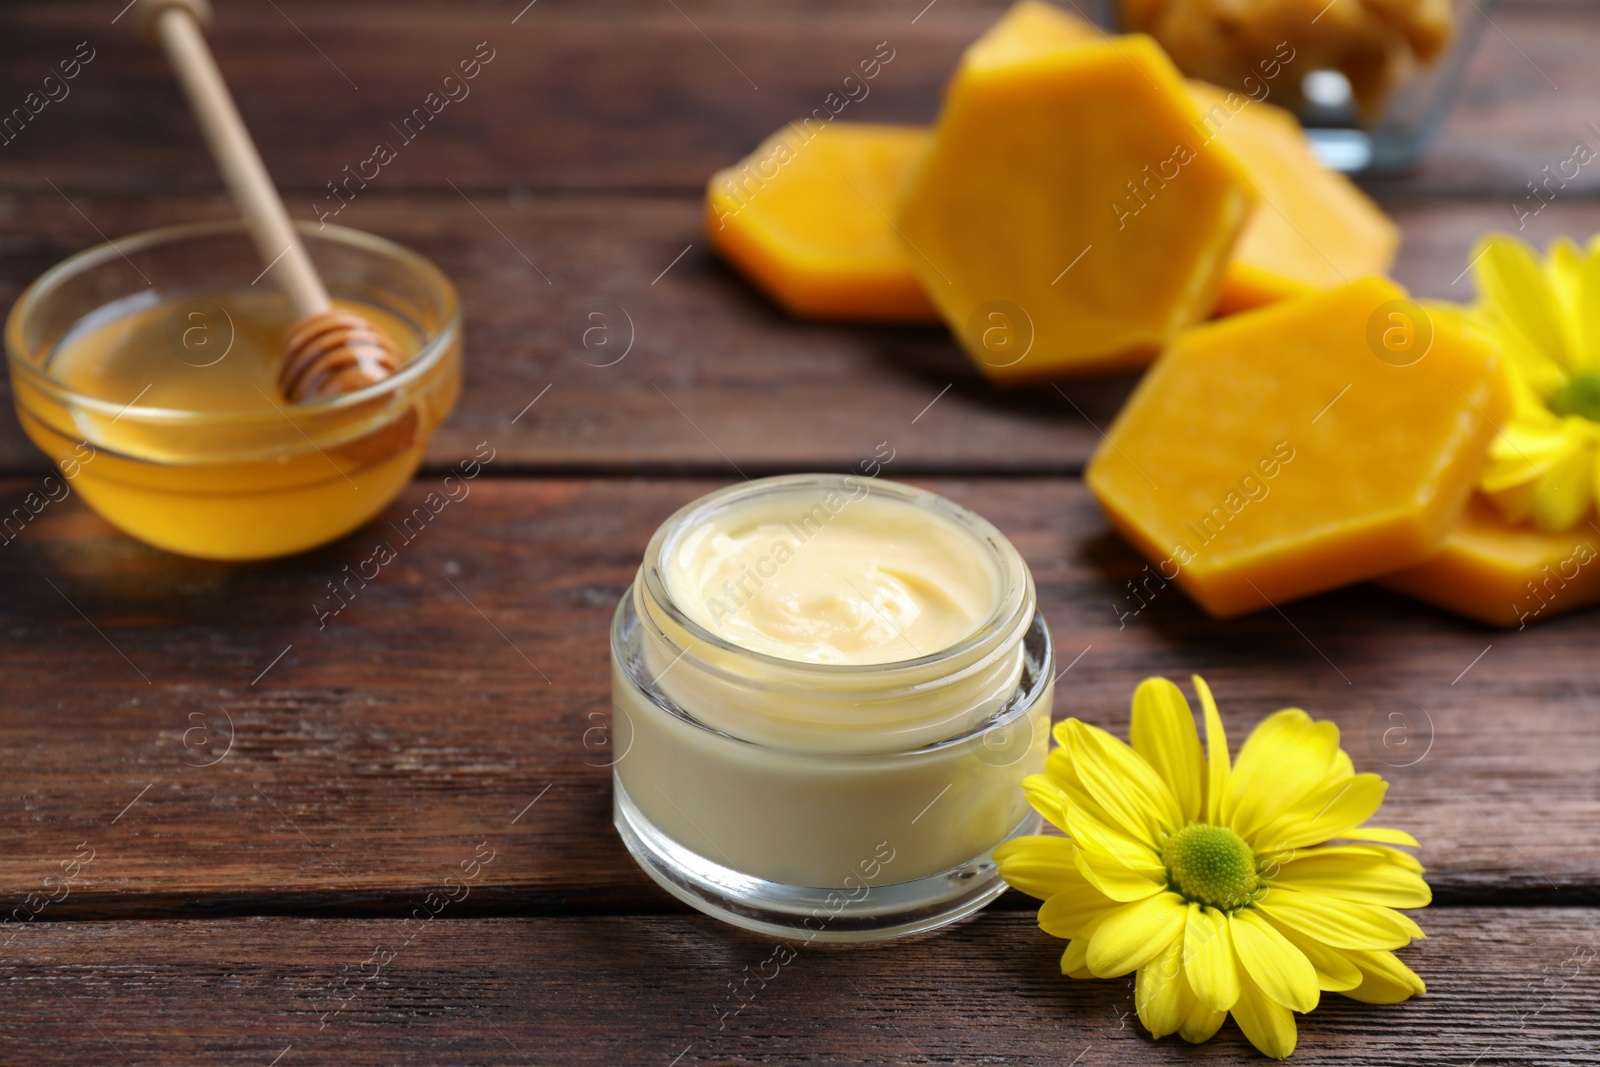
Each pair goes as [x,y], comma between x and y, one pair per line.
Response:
[267,802]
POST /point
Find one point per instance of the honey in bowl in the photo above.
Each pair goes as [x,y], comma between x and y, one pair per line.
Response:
[164,408]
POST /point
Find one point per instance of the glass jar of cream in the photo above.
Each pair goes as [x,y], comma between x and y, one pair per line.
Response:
[826,693]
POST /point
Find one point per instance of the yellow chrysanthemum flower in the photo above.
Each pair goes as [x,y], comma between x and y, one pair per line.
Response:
[1545,316]
[1217,883]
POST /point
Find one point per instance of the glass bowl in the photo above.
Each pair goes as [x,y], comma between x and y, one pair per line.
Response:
[1372,95]
[246,480]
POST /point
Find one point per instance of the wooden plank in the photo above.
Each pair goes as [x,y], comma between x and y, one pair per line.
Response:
[714,370]
[470,679]
[1437,239]
[1531,94]
[1505,986]
[570,102]
[717,377]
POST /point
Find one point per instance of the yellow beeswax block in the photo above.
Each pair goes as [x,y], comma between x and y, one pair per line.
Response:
[806,217]
[1028,28]
[818,236]
[1302,446]
[1069,216]
[1507,575]
[1312,227]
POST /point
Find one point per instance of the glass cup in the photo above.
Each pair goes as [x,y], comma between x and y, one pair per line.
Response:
[265,481]
[1371,97]
[1394,137]
[824,801]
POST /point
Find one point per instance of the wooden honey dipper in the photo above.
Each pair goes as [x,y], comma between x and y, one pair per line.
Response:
[327,351]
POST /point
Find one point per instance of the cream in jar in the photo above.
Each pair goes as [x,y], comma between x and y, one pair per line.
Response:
[874,581]
[827,691]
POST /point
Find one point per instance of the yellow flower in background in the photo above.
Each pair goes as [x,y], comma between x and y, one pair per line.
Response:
[1216,882]
[1545,316]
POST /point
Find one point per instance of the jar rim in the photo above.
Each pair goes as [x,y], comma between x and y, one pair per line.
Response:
[435,344]
[1037,677]
[1014,606]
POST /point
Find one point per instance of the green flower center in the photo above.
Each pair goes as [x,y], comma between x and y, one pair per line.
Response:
[1578,395]
[1211,865]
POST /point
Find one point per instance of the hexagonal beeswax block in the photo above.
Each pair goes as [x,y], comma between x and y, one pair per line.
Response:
[1507,575]
[1028,28]
[1312,228]
[806,217]
[1070,216]
[1286,451]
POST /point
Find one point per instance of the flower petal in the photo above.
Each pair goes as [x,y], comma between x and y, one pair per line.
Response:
[1268,1025]
[1275,861]
[1202,1023]
[1585,309]
[1380,833]
[1528,446]
[1127,789]
[1343,770]
[1326,814]
[1059,732]
[1116,881]
[1058,765]
[1283,760]
[1339,923]
[1528,365]
[1163,732]
[1208,958]
[1217,766]
[1037,865]
[1072,964]
[1563,267]
[1565,490]
[1277,968]
[1161,995]
[1085,820]
[1385,980]
[1071,912]
[1335,972]
[1047,798]
[1514,290]
[1371,880]
[1094,835]
[1135,934]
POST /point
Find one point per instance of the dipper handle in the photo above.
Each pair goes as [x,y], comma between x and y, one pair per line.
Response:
[329,351]
[175,24]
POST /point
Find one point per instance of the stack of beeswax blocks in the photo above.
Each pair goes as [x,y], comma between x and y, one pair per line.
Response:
[1079,207]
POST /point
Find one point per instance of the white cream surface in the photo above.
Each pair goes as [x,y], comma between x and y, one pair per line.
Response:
[833,578]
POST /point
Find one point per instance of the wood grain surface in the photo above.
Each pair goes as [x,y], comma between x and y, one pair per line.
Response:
[716,377]
[634,96]
[1505,986]
[251,792]
[599,196]
[471,678]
